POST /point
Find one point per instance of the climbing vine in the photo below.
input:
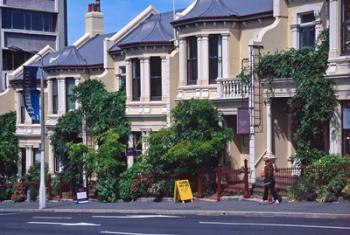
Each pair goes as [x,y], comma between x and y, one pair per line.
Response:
[314,102]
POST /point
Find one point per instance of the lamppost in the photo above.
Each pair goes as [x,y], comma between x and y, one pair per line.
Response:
[42,188]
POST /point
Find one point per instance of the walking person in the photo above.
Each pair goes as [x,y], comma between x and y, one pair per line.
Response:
[269,179]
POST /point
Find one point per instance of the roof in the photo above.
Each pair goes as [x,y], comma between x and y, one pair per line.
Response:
[155,30]
[223,9]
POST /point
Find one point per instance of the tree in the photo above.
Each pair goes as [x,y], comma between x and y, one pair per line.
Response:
[8,146]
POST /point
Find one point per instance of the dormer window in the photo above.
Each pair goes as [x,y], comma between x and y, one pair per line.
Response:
[346,26]
[192,61]
[215,58]
[307,35]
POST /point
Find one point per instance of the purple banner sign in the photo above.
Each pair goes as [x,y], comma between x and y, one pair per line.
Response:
[243,123]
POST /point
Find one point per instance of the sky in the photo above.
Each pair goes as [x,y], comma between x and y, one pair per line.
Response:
[117,13]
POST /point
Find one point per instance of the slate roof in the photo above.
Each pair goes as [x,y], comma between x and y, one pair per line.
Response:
[224,9]
[156,30]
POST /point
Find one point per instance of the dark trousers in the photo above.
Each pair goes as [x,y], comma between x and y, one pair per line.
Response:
[271,187]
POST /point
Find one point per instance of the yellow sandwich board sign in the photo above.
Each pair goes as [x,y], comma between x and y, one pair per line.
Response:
[182,191]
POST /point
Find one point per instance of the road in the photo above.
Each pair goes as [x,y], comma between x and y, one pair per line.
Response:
[84,224]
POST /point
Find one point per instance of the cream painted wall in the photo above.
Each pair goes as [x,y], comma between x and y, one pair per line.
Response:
[7,101]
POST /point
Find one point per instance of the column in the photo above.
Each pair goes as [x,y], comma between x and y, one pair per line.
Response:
[49,97]
[182,62]
[165,80]
[335,132]
[145,80]
[18,106]
[205,60]
[295,36]
[61,82]
[130,154]
[225,56]
[77,82]
[334,28]
[29,157]
[145,135]
[269,134]
[199,60]
[19,163]
[51,155]
[128,82]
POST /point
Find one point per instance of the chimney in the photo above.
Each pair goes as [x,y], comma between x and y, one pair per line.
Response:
[94,19]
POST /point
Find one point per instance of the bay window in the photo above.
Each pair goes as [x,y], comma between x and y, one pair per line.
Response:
[215,58]
[156,78]
[192,61]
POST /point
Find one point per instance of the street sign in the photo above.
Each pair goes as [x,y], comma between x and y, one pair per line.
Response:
[82,196]
[182,191]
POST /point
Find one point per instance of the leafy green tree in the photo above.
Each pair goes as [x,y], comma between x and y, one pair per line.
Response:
[8,146]
[314,102]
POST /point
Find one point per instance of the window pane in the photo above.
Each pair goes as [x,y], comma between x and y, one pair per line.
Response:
[307,36]
[28,20]
[37,21]
[70,103]
[122,77]
[215,58]
[192,65]
[346,27]
[18,19]
[6,18]
[136,83]
[36,155]
[307,18]
[54,96]
[156,78]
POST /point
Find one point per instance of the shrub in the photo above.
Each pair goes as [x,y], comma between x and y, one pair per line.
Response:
[18,192]
[303,189]
[346,192]
[134,182]
[5,192]
[107,190]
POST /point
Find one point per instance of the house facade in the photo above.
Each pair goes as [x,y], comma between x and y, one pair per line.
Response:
[196,53]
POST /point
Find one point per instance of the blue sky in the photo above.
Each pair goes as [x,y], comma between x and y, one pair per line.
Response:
[117,13]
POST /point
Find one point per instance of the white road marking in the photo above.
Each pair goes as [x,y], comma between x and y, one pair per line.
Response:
[48,217]
[135,216]
[277,225]
[125,233]
[64,224]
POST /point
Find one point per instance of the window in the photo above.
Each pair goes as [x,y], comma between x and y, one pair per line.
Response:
[70,103]
[23,161]
[192,65]
[307,30]
[36,155]
[57,163]
[136,81]
[23,109]
[122,77]
[29,20]
[54,96]
[156,78]
[215,58]
[346,27]
[137,142]
[12,60]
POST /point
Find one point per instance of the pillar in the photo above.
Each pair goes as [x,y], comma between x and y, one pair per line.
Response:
[225,56]
[49,96]
[51,156]
[205,60]
[269,130]
[19,163]
[77,82]
[335,132]
[130,156]
[334,28]
[18,106]
[199,60]
[29,157]
[128,82]
[295,36]
[182,62]
[145,80]
[61,83]
[166,87]
[145,135]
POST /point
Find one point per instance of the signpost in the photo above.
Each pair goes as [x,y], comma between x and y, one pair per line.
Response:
[182,191]
[82,196]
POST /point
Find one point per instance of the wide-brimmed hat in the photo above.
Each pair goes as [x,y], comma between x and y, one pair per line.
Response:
[269,157]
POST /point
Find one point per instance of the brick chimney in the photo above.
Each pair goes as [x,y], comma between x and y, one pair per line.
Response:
[94,19]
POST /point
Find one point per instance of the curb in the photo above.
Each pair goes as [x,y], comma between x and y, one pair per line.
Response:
[189,212]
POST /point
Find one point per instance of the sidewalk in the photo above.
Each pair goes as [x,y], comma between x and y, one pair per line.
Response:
[233,207]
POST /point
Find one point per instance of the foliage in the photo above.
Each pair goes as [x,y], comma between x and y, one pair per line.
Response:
[346,192]
[314,102]
[325,179]
[18,192]
[32,180]
[8,147]
[107,190]
[194,142]
[75,163]
[5,192]
[131,185]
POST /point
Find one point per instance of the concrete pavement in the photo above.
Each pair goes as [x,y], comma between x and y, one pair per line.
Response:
[233,208]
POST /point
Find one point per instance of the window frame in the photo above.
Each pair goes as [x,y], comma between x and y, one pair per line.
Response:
[192,60]
[156,79]
[136,79]
[308,27]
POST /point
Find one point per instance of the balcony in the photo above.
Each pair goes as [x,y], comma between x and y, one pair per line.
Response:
[231,88]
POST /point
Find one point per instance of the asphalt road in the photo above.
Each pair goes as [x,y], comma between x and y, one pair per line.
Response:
[84,224]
